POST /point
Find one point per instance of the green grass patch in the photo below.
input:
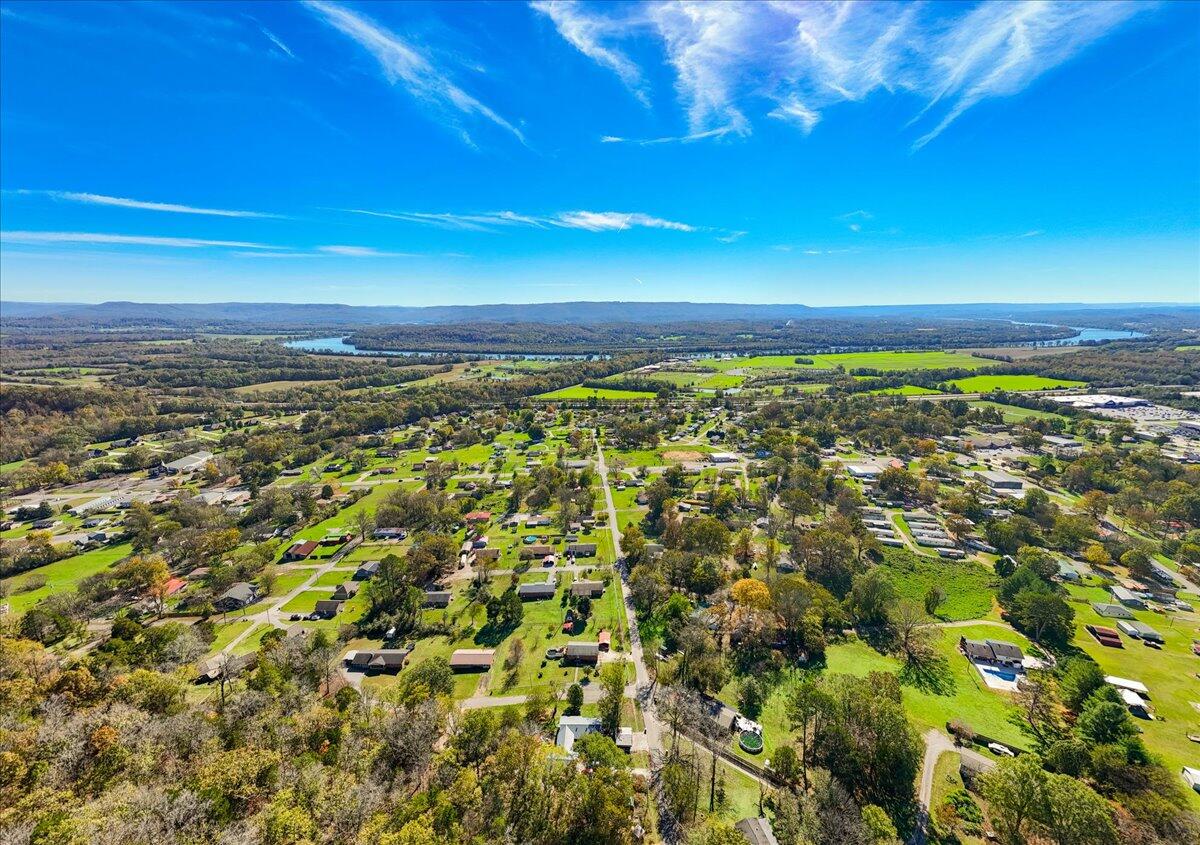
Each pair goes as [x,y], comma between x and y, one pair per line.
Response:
[578,391]
[969,586]
[904,390]
[1015,413]
[62,575]
[986,384]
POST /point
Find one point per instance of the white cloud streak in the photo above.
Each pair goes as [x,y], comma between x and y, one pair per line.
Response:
[144,205]
[403,64]
[801,59]
[360,252]
[42,238]
[587,34]
[274,39]
[492,221]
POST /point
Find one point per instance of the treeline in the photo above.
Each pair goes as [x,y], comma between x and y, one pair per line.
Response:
[701,336]
[1121,365]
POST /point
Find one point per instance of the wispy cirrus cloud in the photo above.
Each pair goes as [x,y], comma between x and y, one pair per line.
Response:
[588,34]
[275,39]
[794,61]
[361,252]
[492,221]
[404,64]
[68,238]
[143,205]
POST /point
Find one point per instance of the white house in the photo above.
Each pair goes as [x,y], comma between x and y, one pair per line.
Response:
[571,728]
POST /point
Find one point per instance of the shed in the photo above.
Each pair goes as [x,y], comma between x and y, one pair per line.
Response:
[345,591]
[301,550]
[604,640]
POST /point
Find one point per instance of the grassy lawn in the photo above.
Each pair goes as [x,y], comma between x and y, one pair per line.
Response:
[986,384]
[1170,674]
[578,391]
[969,586]
[1014,413]
[955,690]
[62,575]
[226,632]
[905,390]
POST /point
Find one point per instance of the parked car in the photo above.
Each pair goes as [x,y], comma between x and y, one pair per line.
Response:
[1001,750]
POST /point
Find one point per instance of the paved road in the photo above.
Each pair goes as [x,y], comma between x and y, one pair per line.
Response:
[937,744]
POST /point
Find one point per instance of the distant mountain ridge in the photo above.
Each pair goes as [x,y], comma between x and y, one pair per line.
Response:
[332,314]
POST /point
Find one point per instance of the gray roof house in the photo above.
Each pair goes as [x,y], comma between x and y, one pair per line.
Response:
[236,597]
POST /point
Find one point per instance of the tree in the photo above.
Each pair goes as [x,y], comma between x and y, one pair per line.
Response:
[1094,503]
[1076,815]
[1016,793]
[935,597]
[914,637]
[1097,555]
[871,596]
[612,696]
[1080,678]
[1137,561]
[574,700]
[1044,615]
[743,550]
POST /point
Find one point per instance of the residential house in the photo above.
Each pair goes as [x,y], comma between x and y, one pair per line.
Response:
[756,831]
[300,550]
[346,591]
[591,589]
[437,598]
[236,597]
[378,660]
[472,659]
[536,592]
[581,549]
[571,728]
[1126,597]
[366,570]
[581,653]
[328,608]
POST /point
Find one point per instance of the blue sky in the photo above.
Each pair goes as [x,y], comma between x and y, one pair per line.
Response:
[448,152]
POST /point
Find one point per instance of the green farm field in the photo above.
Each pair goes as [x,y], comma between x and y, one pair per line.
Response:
[1015,413]
[904,390]
[986,384]
[578,391]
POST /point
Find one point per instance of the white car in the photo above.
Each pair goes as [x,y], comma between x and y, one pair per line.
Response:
[1000,750]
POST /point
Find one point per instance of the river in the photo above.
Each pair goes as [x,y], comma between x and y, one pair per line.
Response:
[340,346]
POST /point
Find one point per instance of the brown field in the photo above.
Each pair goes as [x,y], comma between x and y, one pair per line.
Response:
[682,455]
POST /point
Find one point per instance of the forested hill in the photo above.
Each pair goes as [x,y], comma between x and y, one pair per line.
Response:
[310,315]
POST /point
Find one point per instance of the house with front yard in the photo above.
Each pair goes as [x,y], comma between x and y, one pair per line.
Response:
[536,592]
[994,652]
[378,660]
[328,608]
[580,654]
[536,550]
[346,591]
[300,550]
[236,597]
[366,570]
[1112,611]
[590,589]
[437,598]
[472,659]
[571,728]
[581,549]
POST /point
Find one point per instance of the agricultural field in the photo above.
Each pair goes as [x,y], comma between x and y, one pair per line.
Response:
[905,390]
[1015,413]
[986,384]
[578,391]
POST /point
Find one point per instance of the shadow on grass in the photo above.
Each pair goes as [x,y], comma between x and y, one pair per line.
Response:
[931,675]
[492,635]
